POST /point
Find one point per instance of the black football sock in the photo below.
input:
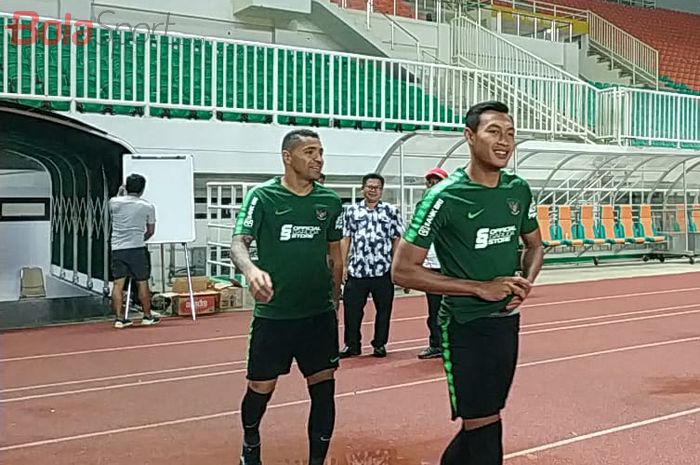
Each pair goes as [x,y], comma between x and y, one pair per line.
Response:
[252,409]
[321,420]
[457,452]
[486,444]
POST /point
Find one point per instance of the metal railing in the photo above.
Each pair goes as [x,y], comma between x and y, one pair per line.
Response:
[119,71]
[650,116]
[123,72]
[523,24]
[622,47]
[485,49]
[564,102]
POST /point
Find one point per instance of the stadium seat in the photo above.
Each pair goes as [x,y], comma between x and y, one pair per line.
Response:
[568,236]
[647,229]
[627,227]
[546,227]
[590,237]
[695,218]
[313,87]
[609,226]
[681,219]
[673,33]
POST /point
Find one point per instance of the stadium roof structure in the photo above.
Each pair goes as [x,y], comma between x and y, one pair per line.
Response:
[559,171]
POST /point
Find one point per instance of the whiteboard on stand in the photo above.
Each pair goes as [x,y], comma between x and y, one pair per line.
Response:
[170,188]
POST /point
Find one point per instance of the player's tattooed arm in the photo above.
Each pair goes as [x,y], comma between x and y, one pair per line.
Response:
[240,253]
[259,281]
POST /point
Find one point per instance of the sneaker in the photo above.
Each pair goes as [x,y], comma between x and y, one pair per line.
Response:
[430,352]
[119,324]
[250,455]
[348,351]
[150,320]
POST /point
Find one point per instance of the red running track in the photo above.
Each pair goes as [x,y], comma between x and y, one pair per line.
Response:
[608,374]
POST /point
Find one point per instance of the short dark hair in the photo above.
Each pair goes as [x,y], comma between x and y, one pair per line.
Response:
[135,184]
[293,137]
[369,176]
[473,117]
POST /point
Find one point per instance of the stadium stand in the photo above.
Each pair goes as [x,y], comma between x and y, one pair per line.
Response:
[674,34]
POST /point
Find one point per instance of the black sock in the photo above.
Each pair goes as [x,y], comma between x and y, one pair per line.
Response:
[486,444]
[457,452]
[321,420]
[252,409]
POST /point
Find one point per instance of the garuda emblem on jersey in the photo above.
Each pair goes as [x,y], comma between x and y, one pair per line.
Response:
[321,214]
[514,206]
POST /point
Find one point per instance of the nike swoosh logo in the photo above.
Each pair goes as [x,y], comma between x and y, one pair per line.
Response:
[333,360]
[282,212]
[471,215]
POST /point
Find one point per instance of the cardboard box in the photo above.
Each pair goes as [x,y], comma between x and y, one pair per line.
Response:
[199,284]
[205,303]
[231,297]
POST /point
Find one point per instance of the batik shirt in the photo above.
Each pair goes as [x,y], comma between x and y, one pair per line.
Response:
[372,234]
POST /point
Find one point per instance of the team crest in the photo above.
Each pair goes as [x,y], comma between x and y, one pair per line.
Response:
[321,214]
[513,206]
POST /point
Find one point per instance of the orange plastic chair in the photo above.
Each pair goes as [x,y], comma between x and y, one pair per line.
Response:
[647,227]
[607,222]
[628,225]
[545,226]
[589,235]
[565,224]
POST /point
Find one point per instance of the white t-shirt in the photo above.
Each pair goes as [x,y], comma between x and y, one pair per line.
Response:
[130,215]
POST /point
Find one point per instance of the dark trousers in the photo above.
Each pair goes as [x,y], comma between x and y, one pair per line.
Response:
[355,295]
[434,302]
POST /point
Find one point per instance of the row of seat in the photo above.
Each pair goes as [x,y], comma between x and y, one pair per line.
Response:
[675,34]
[180,73]
[559,228]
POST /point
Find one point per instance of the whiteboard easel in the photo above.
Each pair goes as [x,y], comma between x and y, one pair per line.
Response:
[170,188]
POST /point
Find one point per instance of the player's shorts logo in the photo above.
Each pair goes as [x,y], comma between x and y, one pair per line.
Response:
[514,206]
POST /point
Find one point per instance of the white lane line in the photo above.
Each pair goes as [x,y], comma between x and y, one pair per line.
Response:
[605,432]
[603,323]
[407,341]
[243,336]
[229,372]
[305,401]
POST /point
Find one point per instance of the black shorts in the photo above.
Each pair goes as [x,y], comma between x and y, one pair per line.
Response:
[480,357]
[311,341]
[131,263]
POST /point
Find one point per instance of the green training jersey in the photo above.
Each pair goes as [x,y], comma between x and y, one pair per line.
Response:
[475,230]
[292,233]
